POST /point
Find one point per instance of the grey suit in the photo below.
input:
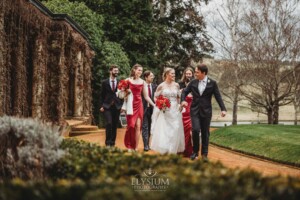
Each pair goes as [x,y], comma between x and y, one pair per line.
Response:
[201,111]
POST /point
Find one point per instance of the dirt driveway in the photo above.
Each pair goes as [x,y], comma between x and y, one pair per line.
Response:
[228,158]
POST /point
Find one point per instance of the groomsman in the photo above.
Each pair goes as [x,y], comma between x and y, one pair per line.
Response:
[148,109]
[202,88]
[110,105]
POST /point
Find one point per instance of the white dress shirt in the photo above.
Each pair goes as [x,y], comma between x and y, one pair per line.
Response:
[202,85]
[110,82]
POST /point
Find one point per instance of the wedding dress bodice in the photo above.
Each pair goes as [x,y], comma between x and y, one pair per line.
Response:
[171,94]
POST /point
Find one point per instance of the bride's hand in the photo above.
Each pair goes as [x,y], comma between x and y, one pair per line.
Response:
[180,108]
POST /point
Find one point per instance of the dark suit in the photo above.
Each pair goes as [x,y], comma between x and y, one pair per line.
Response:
[181,85]
[148,110]
[201,111]
[112,105]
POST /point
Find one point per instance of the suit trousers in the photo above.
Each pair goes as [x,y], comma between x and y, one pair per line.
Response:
[111,116]
[200,124]
[146,127]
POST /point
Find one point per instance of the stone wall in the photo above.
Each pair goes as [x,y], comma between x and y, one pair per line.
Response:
[45,64]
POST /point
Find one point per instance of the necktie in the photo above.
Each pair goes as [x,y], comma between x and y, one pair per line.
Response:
[113,85]
[149,91]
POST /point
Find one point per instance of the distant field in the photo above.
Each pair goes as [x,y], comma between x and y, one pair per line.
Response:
[276,142]
[286,113]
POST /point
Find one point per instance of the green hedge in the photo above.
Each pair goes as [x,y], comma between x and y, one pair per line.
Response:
[93,172]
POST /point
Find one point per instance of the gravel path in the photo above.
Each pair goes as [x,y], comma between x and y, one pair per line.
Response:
[229,158]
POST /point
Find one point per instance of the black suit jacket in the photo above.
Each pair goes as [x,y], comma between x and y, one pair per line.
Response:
[145,103]
[202,104]
[181,85]
[108,96]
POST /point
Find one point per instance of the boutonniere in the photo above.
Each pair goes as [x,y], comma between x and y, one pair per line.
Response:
[208,81]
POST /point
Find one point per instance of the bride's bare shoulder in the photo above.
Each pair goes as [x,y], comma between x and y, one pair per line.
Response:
[160,86]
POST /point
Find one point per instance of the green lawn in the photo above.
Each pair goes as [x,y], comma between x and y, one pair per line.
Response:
[277,142]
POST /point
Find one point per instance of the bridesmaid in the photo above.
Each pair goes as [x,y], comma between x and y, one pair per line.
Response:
[134,107]
[187,76]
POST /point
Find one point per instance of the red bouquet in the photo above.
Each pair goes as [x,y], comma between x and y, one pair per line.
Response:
[123,85]
[123,89]
[162,103]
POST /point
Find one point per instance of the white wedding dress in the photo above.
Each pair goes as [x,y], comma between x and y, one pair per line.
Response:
[167,127]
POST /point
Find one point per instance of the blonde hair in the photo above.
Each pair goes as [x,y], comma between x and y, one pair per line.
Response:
[183,78]
[167,70]
[132,72]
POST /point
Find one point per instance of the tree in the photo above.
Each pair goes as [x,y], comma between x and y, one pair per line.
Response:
[225,33]
[155,33]
[107,52]
[271,48]
[129,23]
[182,35]
[90,21]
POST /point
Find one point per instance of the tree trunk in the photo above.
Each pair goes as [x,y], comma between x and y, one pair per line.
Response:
[270,116]
[275,113]
[297,111]
[235,107]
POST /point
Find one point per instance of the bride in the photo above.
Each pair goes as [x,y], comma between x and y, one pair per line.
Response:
[167,127]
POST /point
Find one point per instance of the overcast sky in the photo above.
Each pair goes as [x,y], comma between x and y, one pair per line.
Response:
[211,13]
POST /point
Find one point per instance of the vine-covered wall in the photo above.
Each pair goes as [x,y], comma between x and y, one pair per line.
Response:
[45,65]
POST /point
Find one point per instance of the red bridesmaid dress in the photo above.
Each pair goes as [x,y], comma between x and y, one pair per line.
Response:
[138,113]
[187,125]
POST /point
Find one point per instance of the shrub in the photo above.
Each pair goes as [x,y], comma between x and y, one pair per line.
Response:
[27,147]
[92,172]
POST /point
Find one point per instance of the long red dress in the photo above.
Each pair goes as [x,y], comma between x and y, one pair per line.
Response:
[187,125]
[138,113]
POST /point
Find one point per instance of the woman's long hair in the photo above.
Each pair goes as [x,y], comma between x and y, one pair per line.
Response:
[183,78]
[132,72]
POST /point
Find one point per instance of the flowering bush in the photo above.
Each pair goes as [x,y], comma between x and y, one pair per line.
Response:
[163,103]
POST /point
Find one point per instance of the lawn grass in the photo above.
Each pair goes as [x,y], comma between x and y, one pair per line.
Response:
[276,142]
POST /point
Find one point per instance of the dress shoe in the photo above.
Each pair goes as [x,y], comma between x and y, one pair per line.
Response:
[146,149]
[204,158]
[194,156]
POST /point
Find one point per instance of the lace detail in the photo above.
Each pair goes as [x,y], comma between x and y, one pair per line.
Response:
[170,91]
[170,94]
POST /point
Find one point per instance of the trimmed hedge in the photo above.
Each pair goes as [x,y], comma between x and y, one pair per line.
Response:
[93,172]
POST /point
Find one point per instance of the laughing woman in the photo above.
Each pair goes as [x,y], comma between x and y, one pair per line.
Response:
[134,107]
[167,127]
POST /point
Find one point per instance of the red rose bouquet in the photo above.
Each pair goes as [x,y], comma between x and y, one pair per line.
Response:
[123,89]
[162,103]
[123,85]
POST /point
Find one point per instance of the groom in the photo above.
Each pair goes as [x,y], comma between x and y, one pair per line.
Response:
[202,88]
